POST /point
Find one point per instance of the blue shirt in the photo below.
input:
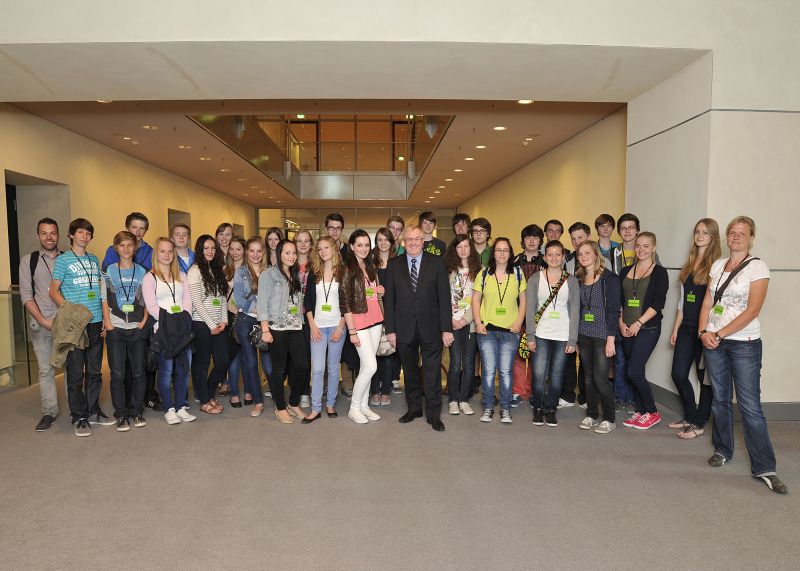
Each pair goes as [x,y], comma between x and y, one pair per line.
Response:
[80,281]
[142,256]
[417,258]
[184,266]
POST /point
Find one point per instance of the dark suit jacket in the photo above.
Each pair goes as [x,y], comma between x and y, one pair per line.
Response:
[428,309]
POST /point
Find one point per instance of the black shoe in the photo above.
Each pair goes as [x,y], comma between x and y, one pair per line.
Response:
[717,460]
[45,423]
[237,404]
[550,418]
[330,414]
[156,405]
[139,421]
[774,483]
[538,417]
[82,428]
[347,392]
[123,424]
[247,402]
[436,424]
[409,416]
[310,419]
[101,419]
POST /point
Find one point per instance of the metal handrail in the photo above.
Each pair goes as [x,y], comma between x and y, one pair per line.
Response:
[13,291]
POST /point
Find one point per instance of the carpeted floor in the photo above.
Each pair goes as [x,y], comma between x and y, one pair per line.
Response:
[235,492]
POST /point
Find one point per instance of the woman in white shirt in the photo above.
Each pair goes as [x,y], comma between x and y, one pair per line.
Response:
[731,335]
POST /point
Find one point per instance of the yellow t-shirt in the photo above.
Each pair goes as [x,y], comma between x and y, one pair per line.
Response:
[493,311]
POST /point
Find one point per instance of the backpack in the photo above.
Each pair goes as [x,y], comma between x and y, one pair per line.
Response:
[517,273]
[34,263]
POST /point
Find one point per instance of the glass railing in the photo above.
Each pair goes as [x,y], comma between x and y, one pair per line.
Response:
[18,365]
[348,156]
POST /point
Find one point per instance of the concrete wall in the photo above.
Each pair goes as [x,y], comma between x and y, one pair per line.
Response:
[577,180]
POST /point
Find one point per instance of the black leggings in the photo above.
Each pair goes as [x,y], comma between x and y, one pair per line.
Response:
[285,345]
[205,346]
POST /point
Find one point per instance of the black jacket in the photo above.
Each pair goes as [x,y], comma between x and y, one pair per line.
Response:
[428,310]
[656,294]
[173,335]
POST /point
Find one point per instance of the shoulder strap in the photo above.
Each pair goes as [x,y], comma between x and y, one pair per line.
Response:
[33,264]
[553,295]
[484,273]
[739,268]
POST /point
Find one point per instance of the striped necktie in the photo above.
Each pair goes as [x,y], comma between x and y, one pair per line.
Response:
[414,275]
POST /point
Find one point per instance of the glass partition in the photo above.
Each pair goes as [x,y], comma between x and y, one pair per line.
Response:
[17,361]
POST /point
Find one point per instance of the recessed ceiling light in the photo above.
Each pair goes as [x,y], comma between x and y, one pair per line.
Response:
[524,101]
[499,128]
[441,186]
[279,201]
[427,202]
[301,116]
[241,179]
[458,170]
[456,194]
[270,197]
[245,194]
[224,170]
[437,192]
[448,180]
[150,127]
[184,147]
[431,197]
[401,158]
[262,192]
[480,146]
[126,138]
[255,186]
[468,159]
[205,158]
[134,142]
[104,100]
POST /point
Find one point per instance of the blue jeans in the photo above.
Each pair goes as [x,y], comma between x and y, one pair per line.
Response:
[234,372]
[688,351]
[182,365]
[623,390]
[549,359]
[462,365]
[497,357]
[637,351]
[325,354]
[249,362]
[737,365]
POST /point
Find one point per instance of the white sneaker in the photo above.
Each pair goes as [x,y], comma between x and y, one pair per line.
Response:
[605,427]
[184,414]
[396,387]
[564,403]
[487,415]
[505,417]
[452,408]
[465,408]
[305,401]
[171,417]
[357,416]
[587,423]
[584,406]
[370,414]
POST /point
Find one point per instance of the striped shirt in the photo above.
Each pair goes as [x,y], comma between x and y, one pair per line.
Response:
[211,309]
[80,281]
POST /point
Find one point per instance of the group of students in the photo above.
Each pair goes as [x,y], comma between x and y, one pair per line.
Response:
[166,312]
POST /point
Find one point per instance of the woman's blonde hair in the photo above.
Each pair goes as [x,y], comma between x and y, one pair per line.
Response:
[599,263]
[742,220]
[318,266]
[174,268]
[712,254]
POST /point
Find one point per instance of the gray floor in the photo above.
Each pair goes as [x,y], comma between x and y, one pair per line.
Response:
[235,492]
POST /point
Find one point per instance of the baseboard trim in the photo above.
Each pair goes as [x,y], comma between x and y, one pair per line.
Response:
[772,410]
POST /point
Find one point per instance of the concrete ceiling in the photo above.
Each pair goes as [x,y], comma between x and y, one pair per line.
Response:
[121,125]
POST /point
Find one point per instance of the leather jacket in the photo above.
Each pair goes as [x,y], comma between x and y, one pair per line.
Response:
[352,294]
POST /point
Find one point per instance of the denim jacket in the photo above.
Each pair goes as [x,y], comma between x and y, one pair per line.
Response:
[243,294]
[273,299]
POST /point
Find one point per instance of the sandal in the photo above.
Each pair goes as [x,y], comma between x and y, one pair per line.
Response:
[209,408]
[217,405]
[692,431]
[681,424]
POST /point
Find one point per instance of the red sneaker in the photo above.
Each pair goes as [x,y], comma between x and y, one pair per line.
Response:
[631,422]
[647,420]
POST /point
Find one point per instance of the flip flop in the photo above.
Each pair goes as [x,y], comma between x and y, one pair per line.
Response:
[691,432]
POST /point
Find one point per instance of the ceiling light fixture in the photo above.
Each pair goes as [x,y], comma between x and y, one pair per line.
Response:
[205,158]
[529,139]
[104,100]
[469,159]
[184,147]
[499,128]
[245,194]
[255,186]
[150,127]
[126,138]
[448,180]
[442,186]
[134,142]
[437,192]
[427,202]
[458,170]
[241,179]
[301,116]
[524,101]
[224,170]
[401,158]
[480,146]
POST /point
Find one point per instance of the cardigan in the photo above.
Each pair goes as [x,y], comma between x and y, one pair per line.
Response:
[656,294]
[573,306]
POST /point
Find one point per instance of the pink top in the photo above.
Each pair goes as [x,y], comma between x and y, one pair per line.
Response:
[158,294]
[373,314]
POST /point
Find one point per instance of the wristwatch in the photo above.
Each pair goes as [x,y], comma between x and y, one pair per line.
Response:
[702,332]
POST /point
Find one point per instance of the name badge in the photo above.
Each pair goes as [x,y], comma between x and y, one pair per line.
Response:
[216,302]
[554,315]
[369,292]
[634,303]
[690,297]
[588,317]
[127,308]
[326,308]
[718,309]
[293,310]
[500,311]
[175,309]
[91,294]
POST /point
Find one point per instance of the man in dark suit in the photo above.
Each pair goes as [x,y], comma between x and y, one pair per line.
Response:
[418,321]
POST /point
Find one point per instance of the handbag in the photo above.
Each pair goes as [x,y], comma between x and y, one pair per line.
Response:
[384,345]
[256,338]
